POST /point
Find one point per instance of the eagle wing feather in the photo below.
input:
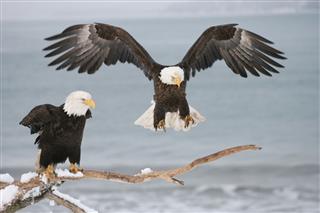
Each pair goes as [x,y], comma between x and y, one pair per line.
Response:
[38,117]
[241,50]
[88,46]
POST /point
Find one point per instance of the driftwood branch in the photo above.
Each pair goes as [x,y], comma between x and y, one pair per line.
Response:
[58,200]
[63,201]
[39,187]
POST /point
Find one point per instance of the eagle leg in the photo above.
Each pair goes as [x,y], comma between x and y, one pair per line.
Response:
[159,116]
[49,171]
[187,120]
[184,112]
[73,168]
[161,125]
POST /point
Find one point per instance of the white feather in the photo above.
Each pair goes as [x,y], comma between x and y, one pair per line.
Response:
[74,103]
[168,74]
[172,119]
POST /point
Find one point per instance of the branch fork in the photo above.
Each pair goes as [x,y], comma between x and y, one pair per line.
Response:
[39,187]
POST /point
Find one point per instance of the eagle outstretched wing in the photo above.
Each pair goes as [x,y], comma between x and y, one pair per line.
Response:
[241,50]
[88,46]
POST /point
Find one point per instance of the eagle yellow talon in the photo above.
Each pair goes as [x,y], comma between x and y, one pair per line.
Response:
[161,125]
[74,169]
[187,120]
[49,172]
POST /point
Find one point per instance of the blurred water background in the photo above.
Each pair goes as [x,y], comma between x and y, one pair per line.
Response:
[279,113]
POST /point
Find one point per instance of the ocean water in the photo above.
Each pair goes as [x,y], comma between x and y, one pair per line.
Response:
[279,114]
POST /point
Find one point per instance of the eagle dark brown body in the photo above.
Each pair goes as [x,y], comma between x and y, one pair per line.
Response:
[87,46]
[60,135]
[169,98]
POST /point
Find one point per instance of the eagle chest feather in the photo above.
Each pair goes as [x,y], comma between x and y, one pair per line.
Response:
[65,132]
[168,95]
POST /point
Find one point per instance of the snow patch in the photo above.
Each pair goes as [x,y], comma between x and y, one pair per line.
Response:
[44,179]
[146,171]
[25,178]
[7,195]
[34,192]
[73,200]
[67,173]
[6,178]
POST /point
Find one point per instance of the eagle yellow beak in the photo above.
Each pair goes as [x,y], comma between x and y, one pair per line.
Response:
[90,103]
[177,81]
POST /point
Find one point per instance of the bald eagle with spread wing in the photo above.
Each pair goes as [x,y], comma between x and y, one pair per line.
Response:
[87,46]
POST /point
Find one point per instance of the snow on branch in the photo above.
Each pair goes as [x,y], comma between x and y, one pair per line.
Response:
[67,201]
[32,188]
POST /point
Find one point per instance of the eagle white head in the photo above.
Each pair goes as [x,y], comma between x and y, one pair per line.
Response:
[172,75]
[78,102]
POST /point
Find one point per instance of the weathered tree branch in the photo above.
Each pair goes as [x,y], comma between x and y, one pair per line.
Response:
[39,188]
[66,201]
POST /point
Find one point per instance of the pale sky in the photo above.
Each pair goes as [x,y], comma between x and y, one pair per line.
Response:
[52,10]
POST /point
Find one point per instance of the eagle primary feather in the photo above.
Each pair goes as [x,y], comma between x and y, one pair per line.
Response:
[241,50]
[88,46]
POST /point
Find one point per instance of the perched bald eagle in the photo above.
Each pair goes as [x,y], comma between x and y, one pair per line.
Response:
[60,130]
[88,46]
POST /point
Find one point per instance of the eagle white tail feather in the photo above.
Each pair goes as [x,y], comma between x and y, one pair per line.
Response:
[172,119]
